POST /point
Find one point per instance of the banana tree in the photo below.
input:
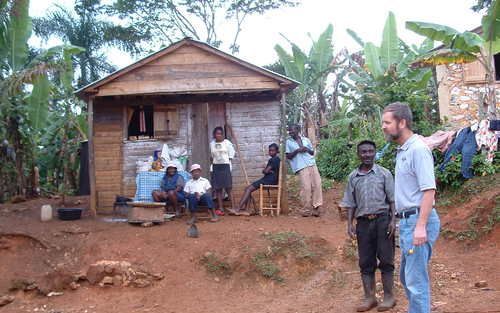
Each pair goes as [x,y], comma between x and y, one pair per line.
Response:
[311,98]
[464,47]
[26,84]
[381,74]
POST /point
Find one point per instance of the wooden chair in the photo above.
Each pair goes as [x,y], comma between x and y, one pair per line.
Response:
[270,206]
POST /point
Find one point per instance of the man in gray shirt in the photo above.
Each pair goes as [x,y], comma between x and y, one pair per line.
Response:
[369,197]
[415,188]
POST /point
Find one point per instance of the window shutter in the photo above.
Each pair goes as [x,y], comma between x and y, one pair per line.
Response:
[474,72]
[166,121]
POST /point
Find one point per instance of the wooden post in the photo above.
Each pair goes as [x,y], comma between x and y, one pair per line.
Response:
[283,132]
[90,119]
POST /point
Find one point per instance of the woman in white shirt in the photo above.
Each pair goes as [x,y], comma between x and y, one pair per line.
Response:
[221,152]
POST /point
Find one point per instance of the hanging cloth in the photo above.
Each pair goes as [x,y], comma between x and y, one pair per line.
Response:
[142,121]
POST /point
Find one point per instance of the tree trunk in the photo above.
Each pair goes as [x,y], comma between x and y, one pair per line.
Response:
[491,100]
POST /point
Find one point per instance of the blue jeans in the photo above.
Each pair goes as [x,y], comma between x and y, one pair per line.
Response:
[465,143]
[205,199]
[414,273]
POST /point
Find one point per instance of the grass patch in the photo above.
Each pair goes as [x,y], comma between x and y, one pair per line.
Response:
[283,243]
[266,267]
[287,245]
[338,279]
[214,265]
[350,250]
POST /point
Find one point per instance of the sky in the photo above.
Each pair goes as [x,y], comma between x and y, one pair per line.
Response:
[261,33]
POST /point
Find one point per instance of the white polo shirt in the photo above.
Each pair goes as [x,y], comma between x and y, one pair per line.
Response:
[200,185]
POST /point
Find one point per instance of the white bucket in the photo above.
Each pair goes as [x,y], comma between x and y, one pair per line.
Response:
[46,213]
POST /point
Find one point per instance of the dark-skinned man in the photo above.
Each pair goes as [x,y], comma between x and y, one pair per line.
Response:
[300,154]
[369,198]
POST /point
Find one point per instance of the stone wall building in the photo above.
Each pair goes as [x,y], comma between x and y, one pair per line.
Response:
[461,87]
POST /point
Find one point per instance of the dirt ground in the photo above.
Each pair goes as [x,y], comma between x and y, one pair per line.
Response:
[325,280]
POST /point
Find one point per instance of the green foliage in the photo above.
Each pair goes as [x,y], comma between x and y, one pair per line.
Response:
[266,267]
[214,265]
[88,27]
[311,100]
[289,242]
[31,85]
[199,19]
[481,5]
[451,177]
[491,27]
[385,76]
[335,158]
[481,166]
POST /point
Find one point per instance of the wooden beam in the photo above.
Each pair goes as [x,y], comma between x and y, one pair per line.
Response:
[90,117]
[283,133]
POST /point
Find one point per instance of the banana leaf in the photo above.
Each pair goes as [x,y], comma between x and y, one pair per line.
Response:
[444,56]
[468,41]
[491,27]
[389,50]
[372,58]
[38,108]
[435,32]
[19,31]
[321,53]
[356,37]
[288,63]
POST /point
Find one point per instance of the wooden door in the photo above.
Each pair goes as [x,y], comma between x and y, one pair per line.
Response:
[199,137]
[216,117]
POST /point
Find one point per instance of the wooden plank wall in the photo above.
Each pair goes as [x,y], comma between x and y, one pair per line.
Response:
[107,152]
[187,69]
[135,150]
[256,125]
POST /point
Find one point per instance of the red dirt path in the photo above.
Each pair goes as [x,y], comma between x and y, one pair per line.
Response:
[187,287]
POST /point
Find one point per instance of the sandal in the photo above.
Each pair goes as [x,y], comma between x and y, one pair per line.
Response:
[233,212]
[219,212]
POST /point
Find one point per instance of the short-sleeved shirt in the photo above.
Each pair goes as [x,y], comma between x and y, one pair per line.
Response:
[414,173]
[302,159]
[172,182]
[370,192]
[200,185]
[274,163]
[221,153]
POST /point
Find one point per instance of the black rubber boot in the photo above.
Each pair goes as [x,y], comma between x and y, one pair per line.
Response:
[388,284]
[369,302]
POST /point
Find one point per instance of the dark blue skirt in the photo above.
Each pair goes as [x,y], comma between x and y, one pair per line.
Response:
[221,176]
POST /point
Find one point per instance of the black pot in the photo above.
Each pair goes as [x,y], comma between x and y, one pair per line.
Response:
[69,214]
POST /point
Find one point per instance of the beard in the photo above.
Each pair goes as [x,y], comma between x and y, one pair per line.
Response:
[395,136]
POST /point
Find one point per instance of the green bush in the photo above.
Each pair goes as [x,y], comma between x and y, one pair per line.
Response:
[451,177]
[336,158]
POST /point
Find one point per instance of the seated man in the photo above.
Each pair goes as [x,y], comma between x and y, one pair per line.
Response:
[271,176]
[172,186]
[198,193]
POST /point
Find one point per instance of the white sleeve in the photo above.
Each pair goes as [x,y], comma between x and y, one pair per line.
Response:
[230,149]
[187,188]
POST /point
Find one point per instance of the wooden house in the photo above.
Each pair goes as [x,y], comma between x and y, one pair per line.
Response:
[183,92]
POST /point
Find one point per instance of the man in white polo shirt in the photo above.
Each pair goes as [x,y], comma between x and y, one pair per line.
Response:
[415,188]
[198,193]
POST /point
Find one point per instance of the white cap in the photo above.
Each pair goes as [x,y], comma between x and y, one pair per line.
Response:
[195,167]
[171,165]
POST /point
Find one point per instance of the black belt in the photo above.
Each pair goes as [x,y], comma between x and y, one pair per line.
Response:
[406,214]
[371,216]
